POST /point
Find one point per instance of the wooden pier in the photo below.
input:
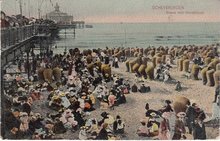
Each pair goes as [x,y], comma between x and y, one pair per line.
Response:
[17,41]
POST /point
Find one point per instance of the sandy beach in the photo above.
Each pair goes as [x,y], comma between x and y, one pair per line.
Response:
[133,111]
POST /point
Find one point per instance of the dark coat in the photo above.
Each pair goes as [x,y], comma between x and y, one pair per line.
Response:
[199,132]
[26,108]
[190,114]
[103,135]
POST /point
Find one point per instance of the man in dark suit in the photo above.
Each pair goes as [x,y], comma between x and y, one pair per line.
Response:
[190,116]
[199,129]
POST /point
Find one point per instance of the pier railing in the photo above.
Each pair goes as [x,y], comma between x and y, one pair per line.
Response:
[13,35]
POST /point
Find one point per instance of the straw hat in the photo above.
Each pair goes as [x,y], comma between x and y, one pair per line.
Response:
[153,114]
[181,114]
[62,94]
[55,97]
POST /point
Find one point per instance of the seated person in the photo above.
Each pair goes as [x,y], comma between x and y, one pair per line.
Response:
[143,130]
[121,99]
[178,86]
[153,125]
[167,107]
[144,89]
[134,88]
[94,127]
[118,125]
[104,104]
[149,111]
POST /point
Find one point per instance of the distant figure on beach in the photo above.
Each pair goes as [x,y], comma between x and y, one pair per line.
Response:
[217,93]
[134,88]
[144,89]
[178,86]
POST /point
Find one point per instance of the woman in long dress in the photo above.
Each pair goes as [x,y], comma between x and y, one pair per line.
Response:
[164,131]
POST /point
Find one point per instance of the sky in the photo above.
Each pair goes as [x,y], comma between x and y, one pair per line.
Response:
[115,11]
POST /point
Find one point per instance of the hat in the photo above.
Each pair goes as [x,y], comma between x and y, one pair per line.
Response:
[153,114]
[83,93]
[23,114]
[104,114]
[168,101]
[62,94]
[55,97]
[181,114]
[83,127]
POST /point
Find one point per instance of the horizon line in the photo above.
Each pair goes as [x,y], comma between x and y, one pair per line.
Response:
[151,22]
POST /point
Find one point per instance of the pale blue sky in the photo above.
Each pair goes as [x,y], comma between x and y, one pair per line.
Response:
[115,10]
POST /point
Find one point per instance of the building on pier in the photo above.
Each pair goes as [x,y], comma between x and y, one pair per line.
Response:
[58,16]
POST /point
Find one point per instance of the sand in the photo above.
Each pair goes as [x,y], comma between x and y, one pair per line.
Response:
[133,111]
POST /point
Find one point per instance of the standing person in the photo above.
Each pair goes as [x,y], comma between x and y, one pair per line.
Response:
[116,62]
[113,62]
[164,131]
[179,126]
[199,131]
[190,116]
[217,92]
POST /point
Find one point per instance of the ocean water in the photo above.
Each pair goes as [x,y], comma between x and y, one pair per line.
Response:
[140,35]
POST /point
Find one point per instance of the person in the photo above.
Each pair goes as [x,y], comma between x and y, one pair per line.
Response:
[179,126]
[12,124]
[217,93]
[118,125]
[153,125]
[83,133]
[111,101]
[216,109]
[94,127]
[178,86]
[144,89]
[167,107]
[190,116]
[134,88]
[116,62]
[103,134]
[199,131]
[143,129]
[164,130]
[149,111]
[26,107]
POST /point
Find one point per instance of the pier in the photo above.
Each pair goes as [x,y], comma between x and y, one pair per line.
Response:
[74,24]
[17,41]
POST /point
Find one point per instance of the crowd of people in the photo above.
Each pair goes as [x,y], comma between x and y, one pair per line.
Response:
[72,97]
[82,86]
[158,123]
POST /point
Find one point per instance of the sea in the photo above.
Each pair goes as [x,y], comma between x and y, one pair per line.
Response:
[139,35]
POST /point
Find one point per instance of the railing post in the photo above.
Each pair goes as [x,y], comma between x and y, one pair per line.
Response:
[9,37]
